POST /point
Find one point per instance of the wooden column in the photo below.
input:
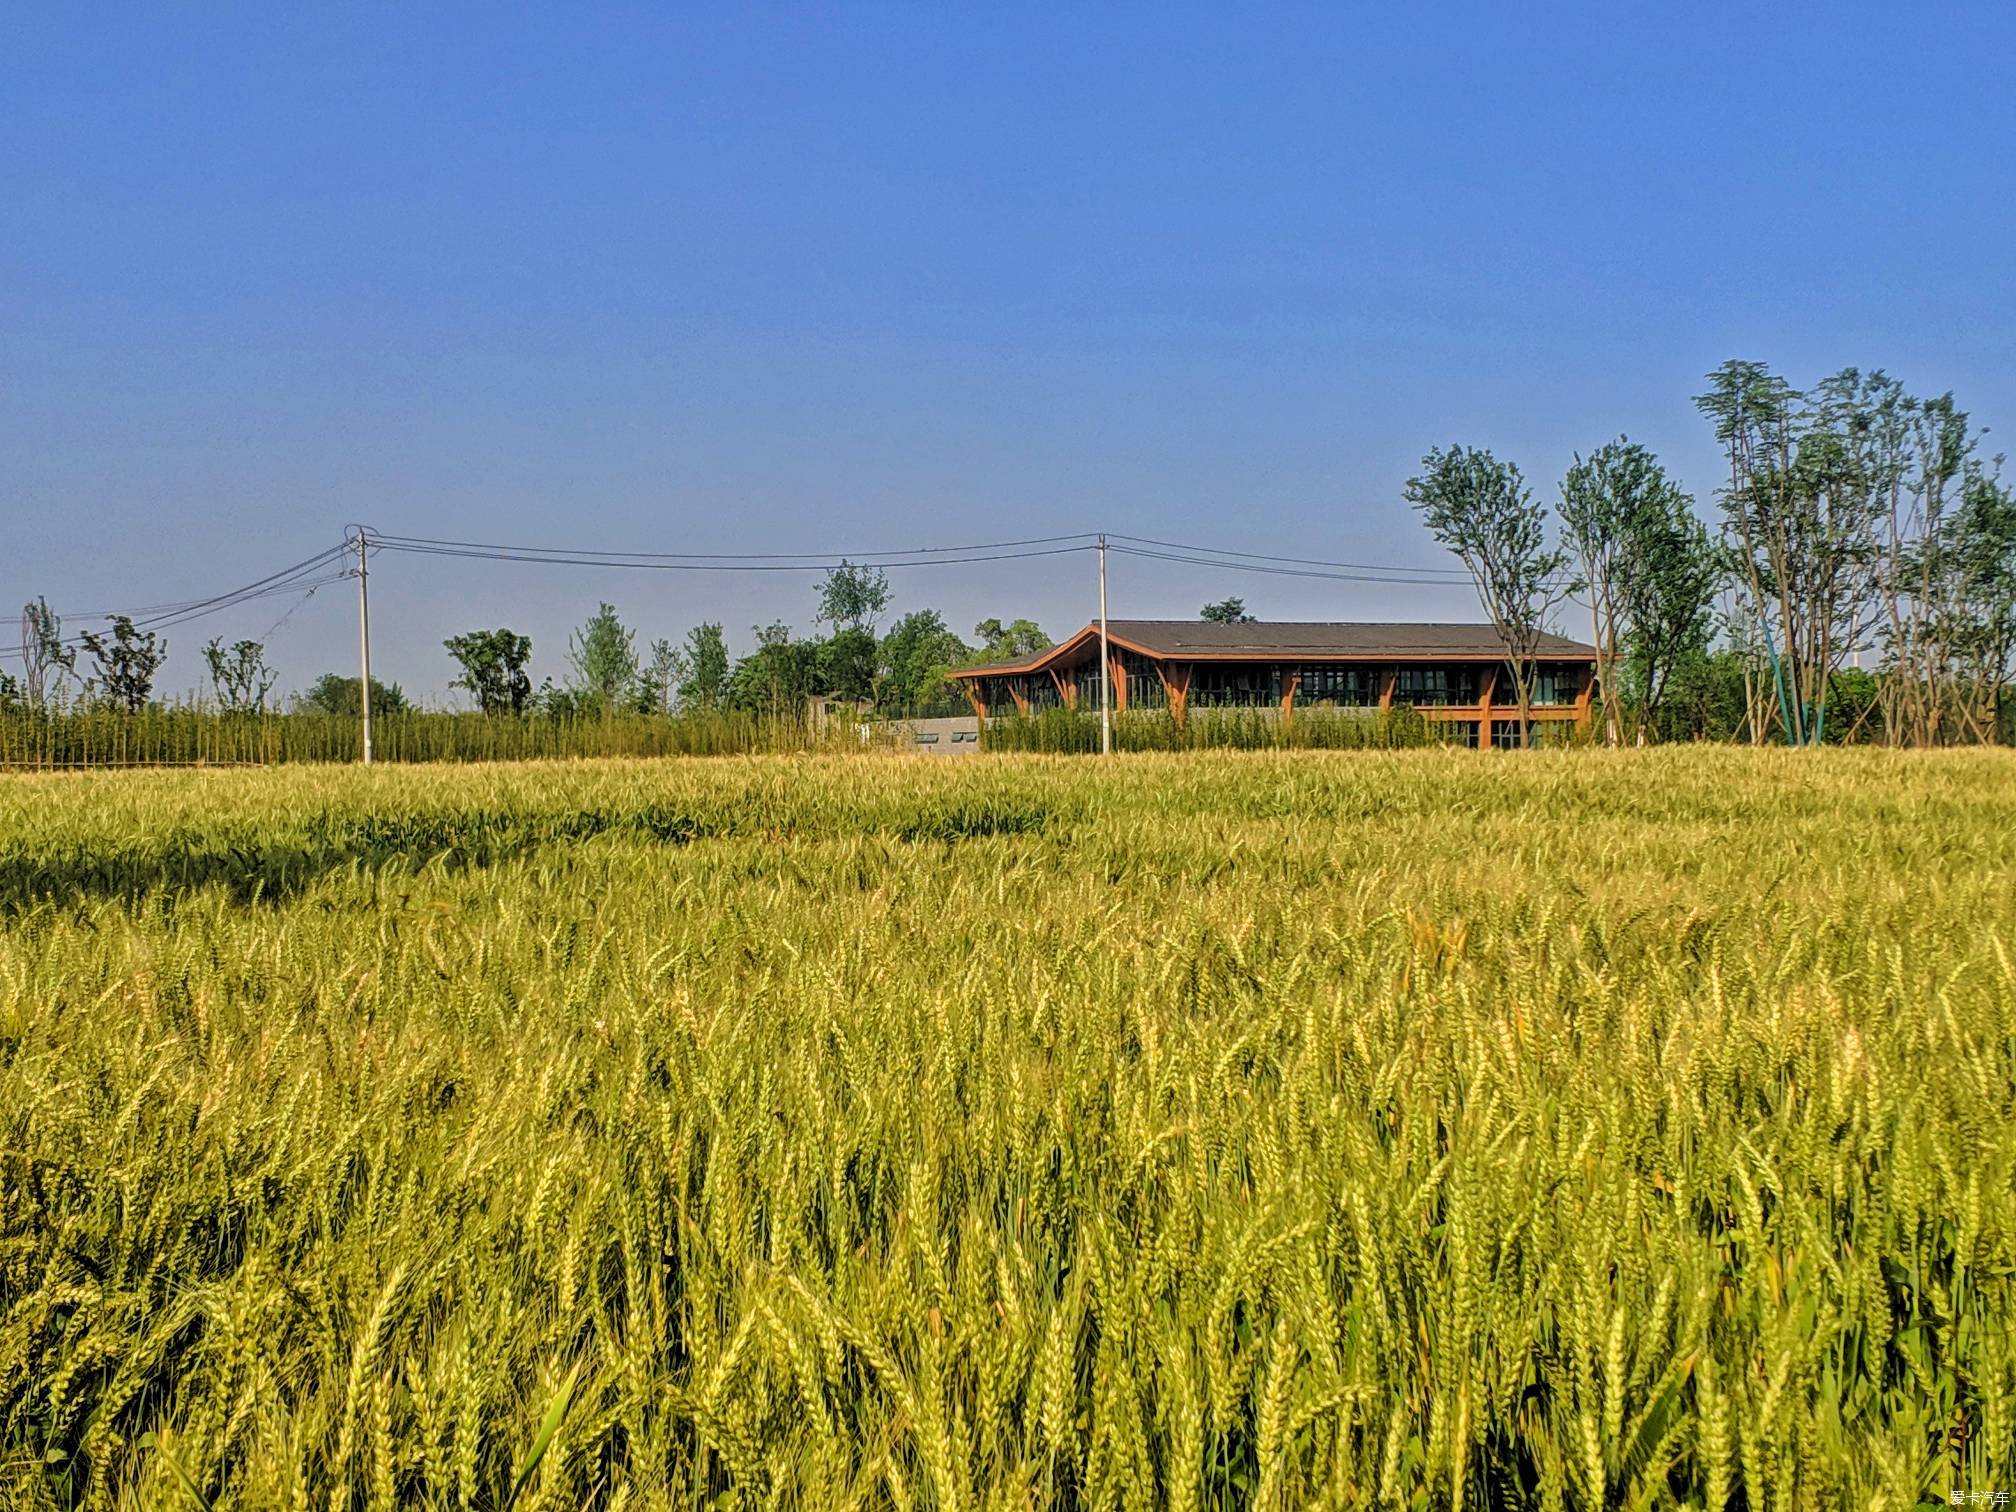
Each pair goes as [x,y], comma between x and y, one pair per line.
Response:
[1067,687]
[1582,710]
[1018,690]
[1176,686]
[1288,686]
[1387,678]
[1118,672]
[974,697]
[1485,691]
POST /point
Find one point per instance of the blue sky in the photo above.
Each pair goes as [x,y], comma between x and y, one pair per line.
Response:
[748,278]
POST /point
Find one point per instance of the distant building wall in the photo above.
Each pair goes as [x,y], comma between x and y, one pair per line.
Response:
[954,735]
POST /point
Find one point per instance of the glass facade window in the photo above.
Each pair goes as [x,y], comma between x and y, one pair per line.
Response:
[1436,687]
[1349,687]
[1221,686]
[1505,734]
[1144,683]
[1461,732]
[1556,685]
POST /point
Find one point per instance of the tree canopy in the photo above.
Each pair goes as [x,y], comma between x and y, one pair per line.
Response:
[493,666]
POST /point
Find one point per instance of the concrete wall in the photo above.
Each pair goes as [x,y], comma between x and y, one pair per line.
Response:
[955,736]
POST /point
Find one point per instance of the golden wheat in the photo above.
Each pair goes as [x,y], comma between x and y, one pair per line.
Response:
[1409,1128]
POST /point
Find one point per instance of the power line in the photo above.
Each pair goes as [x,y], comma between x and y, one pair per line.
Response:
[305,576]
[1261,556]
[1300,572]
[796,560]
[294,579]
[642,562]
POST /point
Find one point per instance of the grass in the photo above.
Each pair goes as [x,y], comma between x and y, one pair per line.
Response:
[189,735]
[1058,731]
[1415,1128]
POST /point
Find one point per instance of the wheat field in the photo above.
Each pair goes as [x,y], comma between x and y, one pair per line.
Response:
[1423,1129]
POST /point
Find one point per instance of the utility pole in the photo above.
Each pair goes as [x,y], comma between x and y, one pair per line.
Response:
[364,634]
[1105,662]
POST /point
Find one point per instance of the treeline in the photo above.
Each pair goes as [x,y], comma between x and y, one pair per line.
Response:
[849,658]
[1858,523]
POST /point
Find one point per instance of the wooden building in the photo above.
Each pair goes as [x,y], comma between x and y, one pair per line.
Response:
[1455,675]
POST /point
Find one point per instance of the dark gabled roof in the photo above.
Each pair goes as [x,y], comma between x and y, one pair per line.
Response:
[1286,640]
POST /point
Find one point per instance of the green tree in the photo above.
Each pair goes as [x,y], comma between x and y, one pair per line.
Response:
[1666,593]
[333,693]
[604,657]
[853,598]
[705,683]
[45,659]
[1481,509]
[1981,545]
[914,657]
[239,676]
[1231,611]
[127,663]
[1808,487]
[493,668]
[1017,638]
[778,676]
[846,663]
[1647,567]
[659,682]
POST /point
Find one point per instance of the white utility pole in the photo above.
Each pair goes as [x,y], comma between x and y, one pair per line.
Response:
[1105,662]
[364,634]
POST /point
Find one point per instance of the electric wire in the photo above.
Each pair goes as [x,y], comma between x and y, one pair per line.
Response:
[302,577]
[585,559]
[1261,556]
[1278,571]
[293,579]
[796,560]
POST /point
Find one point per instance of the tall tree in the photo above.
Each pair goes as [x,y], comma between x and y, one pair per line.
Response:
[847,663]
[604,657]
[705,683]
[239,675]
[779,675]
[1753,412]
[1920,574]
[1807,488]
[658,683]
[1596,497]
[126,662]
[853,598]
[914,658]
[1481,509]
[45,658]
[493,666]
[1981,545]
[1231,611]
[1666,594]
[1648,568]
